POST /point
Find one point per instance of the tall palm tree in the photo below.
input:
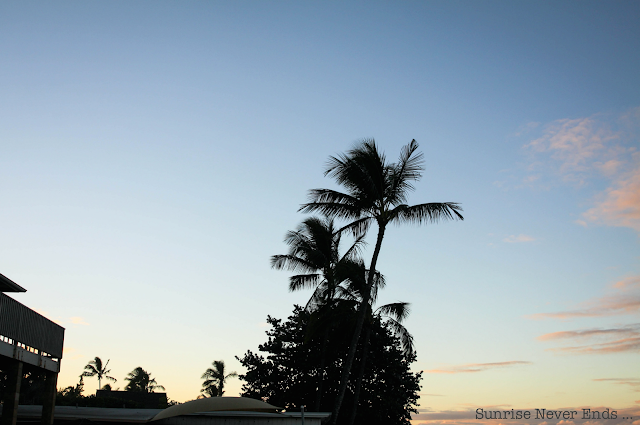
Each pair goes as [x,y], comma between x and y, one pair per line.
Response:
[376,191]
[213,386]
[392,314]
[314,251]
[95,368]
[140,381]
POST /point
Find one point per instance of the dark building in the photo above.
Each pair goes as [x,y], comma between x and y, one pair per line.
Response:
[29,343]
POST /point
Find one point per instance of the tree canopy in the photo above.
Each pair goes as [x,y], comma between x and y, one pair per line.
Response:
[140,381]
[284,372]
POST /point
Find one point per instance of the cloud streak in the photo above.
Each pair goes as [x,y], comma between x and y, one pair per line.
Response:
[621,339]
[77,320]
[624,300]
[629,330]
[598,147]
[476,367]
[619,206]
[633,382]
[518,239]
[618,346]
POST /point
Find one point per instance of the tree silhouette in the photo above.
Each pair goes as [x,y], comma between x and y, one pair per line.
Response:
[215,377]
[376,191]
[314,250]
[392,315]
[140,381]
[282,371]
[95,368]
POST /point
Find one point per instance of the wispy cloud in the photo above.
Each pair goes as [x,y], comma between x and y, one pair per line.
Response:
[71,353]
[619,206]
[517,239]
[616,340]
[46,314]
[77,320]
[629,330]
[476,367]
[618,346]
[576,146]
[631,282]
[624,299]
[633,382]
[581,150]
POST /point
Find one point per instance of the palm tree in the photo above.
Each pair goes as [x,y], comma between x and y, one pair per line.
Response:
[314,251]
[140,381]
[392,314]
[95,368]
[213,386]
[376,191]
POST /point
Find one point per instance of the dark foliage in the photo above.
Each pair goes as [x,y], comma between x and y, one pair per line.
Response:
[287,374]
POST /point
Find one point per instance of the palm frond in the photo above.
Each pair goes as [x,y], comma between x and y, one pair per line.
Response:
[406,339]
[303,281]
[292,263]
[332,203]
[398,311]
[408,169]
[359,227]
[427,213]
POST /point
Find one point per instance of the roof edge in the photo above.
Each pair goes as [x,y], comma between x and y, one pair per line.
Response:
[8,285]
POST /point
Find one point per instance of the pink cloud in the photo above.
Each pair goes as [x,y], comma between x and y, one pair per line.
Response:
[476,367]
[578,146]
[624,300]
[633,382]
[77,320]
[618,346]
[631,330]
[616,340]
[519,238]
[628,283]
[598,147]
[619,206]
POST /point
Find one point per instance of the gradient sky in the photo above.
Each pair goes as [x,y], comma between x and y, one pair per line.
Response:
[154,154]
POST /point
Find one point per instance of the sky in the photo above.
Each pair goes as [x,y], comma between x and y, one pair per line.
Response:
[153,154]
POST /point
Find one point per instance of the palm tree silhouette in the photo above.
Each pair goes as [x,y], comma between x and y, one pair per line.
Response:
[314,251]
[392,314]
[95,368]
[376,191]
[140,381]
[213,386]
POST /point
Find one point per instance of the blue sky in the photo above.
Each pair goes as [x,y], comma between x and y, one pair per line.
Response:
[154,154]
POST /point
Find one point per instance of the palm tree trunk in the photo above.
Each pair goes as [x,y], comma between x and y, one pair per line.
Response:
[323,354]
[362,311]
[363,362]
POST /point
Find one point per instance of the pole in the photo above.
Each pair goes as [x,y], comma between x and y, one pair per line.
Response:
[302,413]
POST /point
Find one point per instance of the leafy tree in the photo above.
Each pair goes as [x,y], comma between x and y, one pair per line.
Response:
[284,372]
[376,191]
[95,368]
[314,251]
[140,381]
[215,377]
[71,395]
[392,314]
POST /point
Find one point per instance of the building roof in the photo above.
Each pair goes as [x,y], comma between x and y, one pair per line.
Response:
[102,415]
[7,285]
[213,404]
